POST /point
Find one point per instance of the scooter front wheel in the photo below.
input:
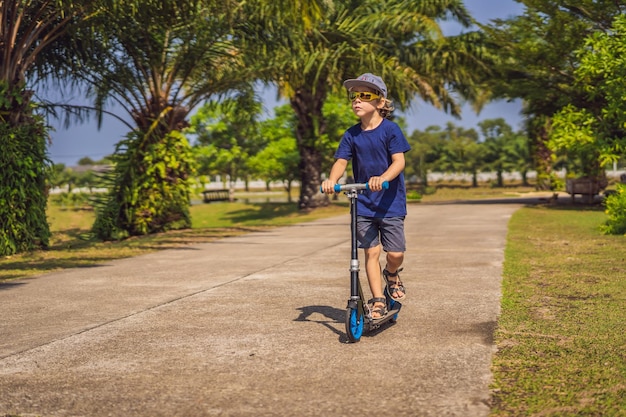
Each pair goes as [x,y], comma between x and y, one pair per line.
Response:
[354,324]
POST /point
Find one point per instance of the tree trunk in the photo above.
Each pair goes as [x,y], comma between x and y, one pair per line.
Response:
[524,178]
[311,125]
[288,189]
[310,178]
[542,155]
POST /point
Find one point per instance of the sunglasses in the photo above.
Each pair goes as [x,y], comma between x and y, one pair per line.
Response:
[353,95]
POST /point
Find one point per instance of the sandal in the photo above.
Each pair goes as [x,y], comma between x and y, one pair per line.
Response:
[381,311]
[394,286]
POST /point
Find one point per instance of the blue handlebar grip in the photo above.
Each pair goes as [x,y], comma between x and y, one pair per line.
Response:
[385,185]
[337,187]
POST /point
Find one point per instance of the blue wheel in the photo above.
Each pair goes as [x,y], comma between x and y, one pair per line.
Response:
[354,324]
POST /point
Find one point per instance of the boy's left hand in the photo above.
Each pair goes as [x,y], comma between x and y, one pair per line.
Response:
[376,183]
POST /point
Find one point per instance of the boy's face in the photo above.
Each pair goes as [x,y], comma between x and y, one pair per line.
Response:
[364,104]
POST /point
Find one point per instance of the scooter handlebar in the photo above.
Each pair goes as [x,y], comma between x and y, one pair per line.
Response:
[346,187]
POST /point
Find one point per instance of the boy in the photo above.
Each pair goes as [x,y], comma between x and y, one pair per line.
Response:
[376,147]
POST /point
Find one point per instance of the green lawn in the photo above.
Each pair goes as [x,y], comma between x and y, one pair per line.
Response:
[561,335]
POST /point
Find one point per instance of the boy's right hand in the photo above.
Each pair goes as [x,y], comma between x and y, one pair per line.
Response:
[328,187]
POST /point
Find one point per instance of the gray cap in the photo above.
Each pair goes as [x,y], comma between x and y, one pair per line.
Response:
[368,80]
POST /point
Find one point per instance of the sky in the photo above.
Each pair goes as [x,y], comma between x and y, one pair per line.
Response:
[68,145]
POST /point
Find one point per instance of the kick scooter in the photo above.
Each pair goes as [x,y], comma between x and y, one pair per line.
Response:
[358,315]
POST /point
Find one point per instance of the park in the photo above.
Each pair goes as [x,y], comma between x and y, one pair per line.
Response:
[169,282]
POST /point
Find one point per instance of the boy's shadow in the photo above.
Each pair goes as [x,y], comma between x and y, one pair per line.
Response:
[332,314]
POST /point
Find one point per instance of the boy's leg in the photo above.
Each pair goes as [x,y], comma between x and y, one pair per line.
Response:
[394,243]
[375,280]
[368,236]
[394,262]
[372,269]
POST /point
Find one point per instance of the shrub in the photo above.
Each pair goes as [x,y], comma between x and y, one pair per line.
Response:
[24,163]
[616,210]
[413,195]
[149,187]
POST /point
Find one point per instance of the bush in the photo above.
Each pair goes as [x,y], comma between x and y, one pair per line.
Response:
[24,165]
[72,200]
[149,187]
[616,210]
[413,195]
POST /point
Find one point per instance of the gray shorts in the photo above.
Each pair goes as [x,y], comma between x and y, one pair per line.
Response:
[371,231]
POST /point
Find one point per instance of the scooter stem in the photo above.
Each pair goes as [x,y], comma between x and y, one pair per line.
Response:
[354,258]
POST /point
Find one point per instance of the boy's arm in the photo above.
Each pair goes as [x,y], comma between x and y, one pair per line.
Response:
[339,167]
[397,166]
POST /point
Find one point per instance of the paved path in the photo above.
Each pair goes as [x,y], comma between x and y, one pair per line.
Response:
[254,326]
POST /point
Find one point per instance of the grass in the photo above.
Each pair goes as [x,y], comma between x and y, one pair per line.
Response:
[561,335]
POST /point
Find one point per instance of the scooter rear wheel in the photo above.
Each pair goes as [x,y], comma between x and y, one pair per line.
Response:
[354,324]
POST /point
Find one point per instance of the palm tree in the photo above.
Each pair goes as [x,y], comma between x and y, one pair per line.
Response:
[498,135]
[400,40]
[157,63]
[32,35]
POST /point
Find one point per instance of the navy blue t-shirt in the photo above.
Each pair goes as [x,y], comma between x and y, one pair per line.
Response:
[370,152]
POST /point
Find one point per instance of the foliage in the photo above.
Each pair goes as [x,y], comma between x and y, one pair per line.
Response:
[425,149]
[574,136]
[519,153]
[505,151]
[149,187]
[616,212]
[24,169]
[538,60]
[73,200]
[400,40]
[58,176]
[455,149]
[231,141]
[158,63]
[459,151]
[279,159]
[338,114]
[62,176]
[31,33]
[596,133]
[227,135]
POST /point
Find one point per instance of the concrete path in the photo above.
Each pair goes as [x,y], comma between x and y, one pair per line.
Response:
[254,326]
